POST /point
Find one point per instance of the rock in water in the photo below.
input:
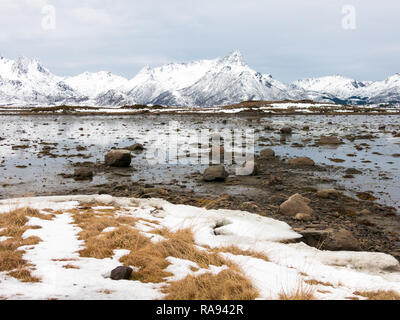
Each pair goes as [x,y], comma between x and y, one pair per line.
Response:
[294,205]
[267,153]
[118,158]
[83,174]
[329,140]
[121,273]
[215,173]
[286,130]
[302,161]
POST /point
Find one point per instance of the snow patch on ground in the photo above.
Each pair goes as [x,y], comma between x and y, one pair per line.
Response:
[339,274]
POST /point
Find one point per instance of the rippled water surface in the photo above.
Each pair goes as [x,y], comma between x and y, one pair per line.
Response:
[25,170]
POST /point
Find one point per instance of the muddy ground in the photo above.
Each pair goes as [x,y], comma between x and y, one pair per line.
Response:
[370,226]
[374,227]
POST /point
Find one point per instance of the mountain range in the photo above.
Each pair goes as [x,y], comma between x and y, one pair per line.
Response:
[221,81]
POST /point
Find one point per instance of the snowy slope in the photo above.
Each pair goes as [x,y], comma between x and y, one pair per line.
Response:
[93,84]
[338,86]
[26,81]
[350,90]
[228,80]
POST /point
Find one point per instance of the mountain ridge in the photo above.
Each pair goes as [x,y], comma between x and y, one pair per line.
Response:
[201,83]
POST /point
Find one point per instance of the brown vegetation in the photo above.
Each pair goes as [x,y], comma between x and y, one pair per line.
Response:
[14,224]
[379,295]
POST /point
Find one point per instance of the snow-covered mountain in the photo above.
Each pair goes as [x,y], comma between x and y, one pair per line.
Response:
[346,90]
[228,80]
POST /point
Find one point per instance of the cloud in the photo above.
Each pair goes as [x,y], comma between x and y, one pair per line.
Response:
[289,39]
[91,16]
[37,3]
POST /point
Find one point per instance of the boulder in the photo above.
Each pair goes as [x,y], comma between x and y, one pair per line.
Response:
[286,130]
[294,205]
[353,171]
[118,158]
[329,239]
[267,153]
[83,174]
[329,140]
[342,240]
[121,273]
[215,173]
[302,161]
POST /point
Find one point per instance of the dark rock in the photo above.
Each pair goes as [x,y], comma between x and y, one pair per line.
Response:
[342,240]
[267,153]
[83,174]
[329,140]
[352,171]
[118,158]
[302,161]
[329,239]
[121,273]
[286,130]
[215,173]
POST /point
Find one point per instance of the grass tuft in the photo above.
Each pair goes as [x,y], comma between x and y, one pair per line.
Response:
[379,295]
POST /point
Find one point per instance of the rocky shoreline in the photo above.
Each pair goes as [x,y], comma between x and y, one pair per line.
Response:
[336,221]
[330,216]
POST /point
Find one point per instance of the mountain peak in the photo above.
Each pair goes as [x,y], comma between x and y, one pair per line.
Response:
[24,65]
[235,57]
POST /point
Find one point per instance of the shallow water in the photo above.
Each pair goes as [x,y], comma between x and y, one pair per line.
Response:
[39,173]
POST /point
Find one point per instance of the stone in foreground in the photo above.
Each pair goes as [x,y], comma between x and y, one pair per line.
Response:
[294,205]
[215,173]
[121,273]
[118,158]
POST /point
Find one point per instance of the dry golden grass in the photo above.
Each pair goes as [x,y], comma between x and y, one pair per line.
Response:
[237,251]
[379,295]
[70,266]
[14,224]
[150,257]
[229,284]
[316,283]
[24,275]
[302,292]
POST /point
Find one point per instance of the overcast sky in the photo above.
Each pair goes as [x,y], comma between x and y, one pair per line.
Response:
[289,39]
